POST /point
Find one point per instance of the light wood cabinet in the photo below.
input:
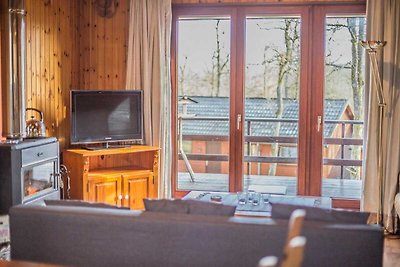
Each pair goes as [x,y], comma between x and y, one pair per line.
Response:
[136,187]
[105,189]
[120,177]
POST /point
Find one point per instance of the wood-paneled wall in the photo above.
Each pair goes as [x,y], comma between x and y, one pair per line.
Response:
[69,46]
[103,46]
[51,70]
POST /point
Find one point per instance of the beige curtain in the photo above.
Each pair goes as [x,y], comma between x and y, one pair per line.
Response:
[383,23]
[148,68]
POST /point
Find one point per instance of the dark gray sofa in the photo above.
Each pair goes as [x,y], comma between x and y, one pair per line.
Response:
[108,237]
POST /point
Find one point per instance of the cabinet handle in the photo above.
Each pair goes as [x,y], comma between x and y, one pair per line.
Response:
[126,197]
[120,197]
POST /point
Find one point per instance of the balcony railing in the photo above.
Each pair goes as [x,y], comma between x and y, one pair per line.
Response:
[287,140]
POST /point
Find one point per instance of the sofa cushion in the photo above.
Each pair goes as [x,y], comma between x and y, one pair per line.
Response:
[166,205]
[81,203]
[189,206]
[283,211]
[209,208]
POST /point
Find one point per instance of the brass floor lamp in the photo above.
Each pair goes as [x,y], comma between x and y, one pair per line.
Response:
[372,48]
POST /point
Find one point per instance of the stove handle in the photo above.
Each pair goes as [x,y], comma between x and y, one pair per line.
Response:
[57,175]
[57,178]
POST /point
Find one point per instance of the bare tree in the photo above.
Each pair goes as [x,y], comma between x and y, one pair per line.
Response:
[182,76]
[287,62]
[356,28]
[220,62]
[265,76]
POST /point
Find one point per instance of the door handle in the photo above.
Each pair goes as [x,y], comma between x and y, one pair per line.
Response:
[319,123]
[238,121]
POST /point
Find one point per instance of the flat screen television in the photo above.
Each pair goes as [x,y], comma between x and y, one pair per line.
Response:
[106,116]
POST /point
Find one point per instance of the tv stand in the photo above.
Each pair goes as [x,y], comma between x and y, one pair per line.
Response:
[93,148]
[106,146]
[118,176]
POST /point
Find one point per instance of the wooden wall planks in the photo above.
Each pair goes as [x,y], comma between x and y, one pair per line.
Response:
[69,46]
[51,35]
[103,44]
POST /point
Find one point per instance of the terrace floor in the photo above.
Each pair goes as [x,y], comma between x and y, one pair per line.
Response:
[338,188]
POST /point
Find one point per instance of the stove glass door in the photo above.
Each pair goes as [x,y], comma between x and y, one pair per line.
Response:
[39,179]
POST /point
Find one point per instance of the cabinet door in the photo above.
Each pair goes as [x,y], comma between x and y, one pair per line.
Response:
[107,190]
[136,188]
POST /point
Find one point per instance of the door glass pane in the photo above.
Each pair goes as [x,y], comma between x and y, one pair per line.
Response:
[272,104]
[38,178]
[343,107]
[203,103]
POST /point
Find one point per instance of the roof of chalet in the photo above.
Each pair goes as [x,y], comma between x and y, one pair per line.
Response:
[254,108]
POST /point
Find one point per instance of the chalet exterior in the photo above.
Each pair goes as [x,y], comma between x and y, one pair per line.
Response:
[209,136]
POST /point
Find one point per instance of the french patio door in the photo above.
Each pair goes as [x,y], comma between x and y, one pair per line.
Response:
[249,100]
[204,41]
[338,109]
[275,65]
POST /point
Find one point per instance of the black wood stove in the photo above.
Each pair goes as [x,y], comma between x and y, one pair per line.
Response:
[29,172]
[28,167]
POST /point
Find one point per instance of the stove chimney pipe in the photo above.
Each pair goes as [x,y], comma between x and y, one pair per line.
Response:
[13,67]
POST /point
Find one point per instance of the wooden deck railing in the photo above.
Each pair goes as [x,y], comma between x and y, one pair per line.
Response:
[289,140]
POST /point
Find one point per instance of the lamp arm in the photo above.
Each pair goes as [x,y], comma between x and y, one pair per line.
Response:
[377,78]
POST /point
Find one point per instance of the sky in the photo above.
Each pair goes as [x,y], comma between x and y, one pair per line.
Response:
[197,40]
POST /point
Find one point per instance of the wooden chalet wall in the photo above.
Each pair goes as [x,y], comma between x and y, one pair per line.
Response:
[103,46]
[69,46]
[52,63]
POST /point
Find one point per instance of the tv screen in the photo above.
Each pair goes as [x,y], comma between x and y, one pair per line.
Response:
[104,116]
